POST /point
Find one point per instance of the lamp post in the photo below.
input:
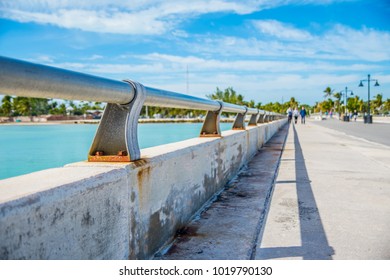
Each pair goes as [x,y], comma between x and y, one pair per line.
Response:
[368,118]
[346,118]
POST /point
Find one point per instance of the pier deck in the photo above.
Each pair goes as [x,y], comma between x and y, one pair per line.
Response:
[314,191]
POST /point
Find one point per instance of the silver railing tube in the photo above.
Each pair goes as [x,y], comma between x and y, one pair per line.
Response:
[116,138]
[233,108]
[27,79]
[252,111]
[33,80]
[163,98]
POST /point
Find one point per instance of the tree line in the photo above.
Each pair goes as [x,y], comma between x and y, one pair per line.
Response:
[229,95]
[335,101]
[27,106]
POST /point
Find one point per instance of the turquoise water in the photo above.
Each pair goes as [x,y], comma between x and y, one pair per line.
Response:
[25,149]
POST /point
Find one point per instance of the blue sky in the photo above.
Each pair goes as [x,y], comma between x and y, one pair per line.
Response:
[267,50]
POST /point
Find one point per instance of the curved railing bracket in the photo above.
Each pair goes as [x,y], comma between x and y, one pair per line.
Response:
[211,126]
[239,122]
[253,119]
[267,117]
[116,137]
[261,118]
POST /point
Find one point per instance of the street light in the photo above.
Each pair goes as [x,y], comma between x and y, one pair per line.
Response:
[368,118]
[346,118]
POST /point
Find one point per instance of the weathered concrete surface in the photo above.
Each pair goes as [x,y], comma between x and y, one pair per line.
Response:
[331,198]
[65,213]
[119,211]
[229,227]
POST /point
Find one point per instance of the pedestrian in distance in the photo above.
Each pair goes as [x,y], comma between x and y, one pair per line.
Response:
[303,115]
[295,114]
[355,115]
[289,114]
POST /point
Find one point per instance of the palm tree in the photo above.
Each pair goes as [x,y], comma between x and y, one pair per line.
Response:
[377,103]
[328,92]
[353,104]
[293,103]
[338,96]
[218,95]
[361,105]
[327,105]
[229,95]
[250,104]
[22,106]
[6,105]
[386,105]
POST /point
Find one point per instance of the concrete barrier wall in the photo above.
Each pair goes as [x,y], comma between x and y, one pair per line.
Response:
[117,210]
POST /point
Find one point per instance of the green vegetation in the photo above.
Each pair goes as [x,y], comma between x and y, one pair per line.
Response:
[229,95]
[25,106]
[334,102]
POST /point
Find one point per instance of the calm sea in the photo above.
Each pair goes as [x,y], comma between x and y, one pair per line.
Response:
[25,149]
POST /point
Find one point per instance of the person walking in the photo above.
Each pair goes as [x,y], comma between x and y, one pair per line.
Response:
[295,114]
[303,115]
[289,114]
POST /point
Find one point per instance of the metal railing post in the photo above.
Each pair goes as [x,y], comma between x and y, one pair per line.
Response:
[211,127]
[116,138]
[266,117]
[261,118]
[239,121]
[253,119]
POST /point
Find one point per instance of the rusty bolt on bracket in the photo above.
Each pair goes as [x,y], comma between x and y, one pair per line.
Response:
[122,153]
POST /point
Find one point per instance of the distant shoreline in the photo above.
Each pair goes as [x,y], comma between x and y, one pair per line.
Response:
[98,121]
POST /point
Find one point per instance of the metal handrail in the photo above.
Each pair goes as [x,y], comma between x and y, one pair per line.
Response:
[163,98]
[116,137]
[28,79]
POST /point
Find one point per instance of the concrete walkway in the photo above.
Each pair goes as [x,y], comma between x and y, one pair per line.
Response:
[375,132]
[330,200]
[229,227]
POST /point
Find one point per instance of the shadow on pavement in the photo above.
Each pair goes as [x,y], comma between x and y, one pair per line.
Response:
[315,245]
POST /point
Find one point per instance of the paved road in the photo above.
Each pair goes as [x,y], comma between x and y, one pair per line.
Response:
[375,132]
[330,200]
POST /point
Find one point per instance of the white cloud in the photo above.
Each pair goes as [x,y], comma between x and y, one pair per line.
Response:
[256,79]
[126,17]
[283,59]
[180,33]
[129,17]
[280,30]
[365,44]
[44,59]
[337,43]
[251,65]
[94,57]
[95,21]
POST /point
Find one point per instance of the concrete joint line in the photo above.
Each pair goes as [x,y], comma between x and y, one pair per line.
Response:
[267,203]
